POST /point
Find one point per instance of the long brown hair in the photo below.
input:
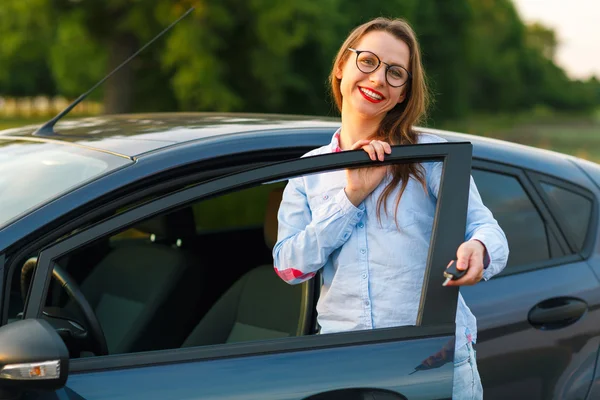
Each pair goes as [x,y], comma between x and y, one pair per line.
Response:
[397,126]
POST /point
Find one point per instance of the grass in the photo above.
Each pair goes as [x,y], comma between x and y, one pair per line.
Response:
[570,134]
[10,122]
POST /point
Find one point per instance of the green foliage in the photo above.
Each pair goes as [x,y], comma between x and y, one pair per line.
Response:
[275,56]
[442,29]
[24,32]
[77,60]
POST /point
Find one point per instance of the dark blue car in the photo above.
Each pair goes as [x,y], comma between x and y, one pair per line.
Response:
[136,263]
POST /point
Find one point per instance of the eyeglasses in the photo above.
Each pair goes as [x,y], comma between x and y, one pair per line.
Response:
[368,62]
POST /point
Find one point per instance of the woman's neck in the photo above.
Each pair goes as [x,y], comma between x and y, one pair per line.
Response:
[355,128]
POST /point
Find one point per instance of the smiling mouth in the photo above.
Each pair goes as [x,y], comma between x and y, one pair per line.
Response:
[371,95]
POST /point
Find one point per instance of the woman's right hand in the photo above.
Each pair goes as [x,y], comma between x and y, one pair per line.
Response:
[362,181]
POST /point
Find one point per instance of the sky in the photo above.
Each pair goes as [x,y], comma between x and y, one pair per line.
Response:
[577,25]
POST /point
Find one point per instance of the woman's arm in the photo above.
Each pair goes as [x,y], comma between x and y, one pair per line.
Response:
[306,238]
[481,226]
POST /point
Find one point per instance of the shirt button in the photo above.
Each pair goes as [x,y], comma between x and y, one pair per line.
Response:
[359,214]
[362,251]
[346,235]
[367,303]
[364,276]
[361,225]
[325,197]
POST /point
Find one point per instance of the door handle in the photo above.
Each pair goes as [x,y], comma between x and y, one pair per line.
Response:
[557,312]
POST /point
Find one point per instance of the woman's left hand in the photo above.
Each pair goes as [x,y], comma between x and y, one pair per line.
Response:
[469,256]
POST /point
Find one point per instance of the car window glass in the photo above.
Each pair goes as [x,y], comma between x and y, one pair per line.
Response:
[152,283]
[32,173]
[575,210]
[204,274]
[240,209]
[523,226]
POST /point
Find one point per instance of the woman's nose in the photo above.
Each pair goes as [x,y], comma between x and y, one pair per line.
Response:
[377,77]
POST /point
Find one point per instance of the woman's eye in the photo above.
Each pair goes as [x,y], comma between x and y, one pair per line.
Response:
[396,73]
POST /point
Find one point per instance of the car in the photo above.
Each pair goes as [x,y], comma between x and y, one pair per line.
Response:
[136,263]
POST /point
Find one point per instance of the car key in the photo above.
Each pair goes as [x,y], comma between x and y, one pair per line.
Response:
[452,273]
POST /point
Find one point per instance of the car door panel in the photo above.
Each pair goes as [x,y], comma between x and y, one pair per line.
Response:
[388,362]
[539,363]
[288,375]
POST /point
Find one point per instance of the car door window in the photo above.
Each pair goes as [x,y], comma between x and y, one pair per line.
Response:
[183,279]
[574,210]
[516,214]
[186,286]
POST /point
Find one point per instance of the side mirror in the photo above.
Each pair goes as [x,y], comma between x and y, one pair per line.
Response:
[32,357]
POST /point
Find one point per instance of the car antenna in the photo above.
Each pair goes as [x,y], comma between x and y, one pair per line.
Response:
[48,128]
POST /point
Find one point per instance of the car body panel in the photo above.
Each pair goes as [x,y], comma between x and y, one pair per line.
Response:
[121,133]
[515,357]
[389,365]
[288,375]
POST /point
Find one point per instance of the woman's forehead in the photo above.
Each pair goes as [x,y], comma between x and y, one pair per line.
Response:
[387,47]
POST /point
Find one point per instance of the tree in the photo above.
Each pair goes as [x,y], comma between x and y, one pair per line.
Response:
[442,28]
[542,39]
[272,56]
[24,70]
[496,56]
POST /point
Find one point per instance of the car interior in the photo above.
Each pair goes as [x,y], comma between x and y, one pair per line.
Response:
[197,276]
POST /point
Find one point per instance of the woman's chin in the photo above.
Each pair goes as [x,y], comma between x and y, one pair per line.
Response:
[369,111]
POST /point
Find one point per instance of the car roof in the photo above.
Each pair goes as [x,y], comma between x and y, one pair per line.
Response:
[135,135]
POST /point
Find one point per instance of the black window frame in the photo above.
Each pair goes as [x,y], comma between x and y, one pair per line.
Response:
[524,177]
[438,304]
[588,245]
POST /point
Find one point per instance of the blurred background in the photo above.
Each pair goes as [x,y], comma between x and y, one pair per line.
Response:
[520,70]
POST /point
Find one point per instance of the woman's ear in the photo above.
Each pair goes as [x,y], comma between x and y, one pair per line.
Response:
[338,72]
[402,98]
[339,68]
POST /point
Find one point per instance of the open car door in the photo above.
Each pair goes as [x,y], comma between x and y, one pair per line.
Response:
[375,364]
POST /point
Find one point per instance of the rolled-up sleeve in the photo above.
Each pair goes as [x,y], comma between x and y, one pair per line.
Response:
[481,226]
[306,238]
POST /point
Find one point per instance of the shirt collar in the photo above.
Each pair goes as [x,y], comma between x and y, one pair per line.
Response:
[335,142]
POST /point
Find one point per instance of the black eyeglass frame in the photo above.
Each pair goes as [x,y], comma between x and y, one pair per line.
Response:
[379,62]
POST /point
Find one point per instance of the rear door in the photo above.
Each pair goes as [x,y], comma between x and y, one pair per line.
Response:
[538,319]
[379,364]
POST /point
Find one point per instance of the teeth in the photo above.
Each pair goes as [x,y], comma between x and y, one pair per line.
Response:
[371,94]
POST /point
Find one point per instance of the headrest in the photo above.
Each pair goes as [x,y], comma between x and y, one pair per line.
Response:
[270,226]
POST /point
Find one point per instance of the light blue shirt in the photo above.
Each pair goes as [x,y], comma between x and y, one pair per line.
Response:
[372,271]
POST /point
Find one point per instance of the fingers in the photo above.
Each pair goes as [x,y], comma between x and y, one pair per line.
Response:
[376,149]
[473,275]
[381,148]
[463,255]
[471,259]
[360,144]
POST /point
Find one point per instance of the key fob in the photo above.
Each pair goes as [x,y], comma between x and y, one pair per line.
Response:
[453,273]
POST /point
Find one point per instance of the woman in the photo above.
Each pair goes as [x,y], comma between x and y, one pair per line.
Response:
[369,228]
